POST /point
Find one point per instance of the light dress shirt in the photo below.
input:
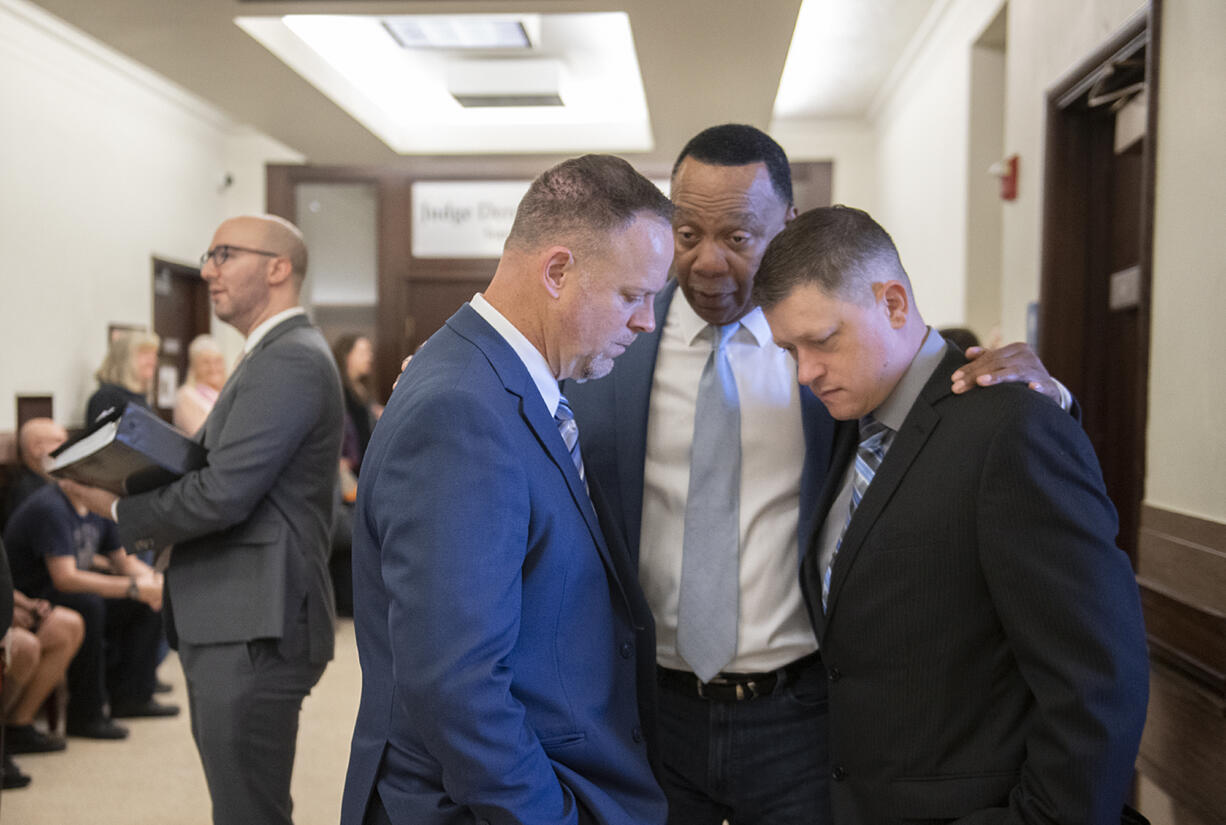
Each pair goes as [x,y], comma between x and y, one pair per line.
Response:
[267,324]
[773,627]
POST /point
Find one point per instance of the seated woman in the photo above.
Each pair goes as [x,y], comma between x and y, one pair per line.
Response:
[126,374]
[206,374]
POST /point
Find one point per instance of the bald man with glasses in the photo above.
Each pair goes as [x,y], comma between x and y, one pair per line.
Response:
[248,596]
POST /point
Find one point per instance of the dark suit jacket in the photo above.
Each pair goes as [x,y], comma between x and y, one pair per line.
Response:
[983,637]
[612,416]
[250,530]
[496,627]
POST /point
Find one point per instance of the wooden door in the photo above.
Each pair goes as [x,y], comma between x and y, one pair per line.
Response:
[180,313]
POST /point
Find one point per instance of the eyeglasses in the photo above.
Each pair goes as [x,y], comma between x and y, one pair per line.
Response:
[223,252]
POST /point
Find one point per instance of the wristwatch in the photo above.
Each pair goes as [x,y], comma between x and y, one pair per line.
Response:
[133,589]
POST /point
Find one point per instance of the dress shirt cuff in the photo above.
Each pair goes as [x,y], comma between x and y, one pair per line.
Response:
[1066,397]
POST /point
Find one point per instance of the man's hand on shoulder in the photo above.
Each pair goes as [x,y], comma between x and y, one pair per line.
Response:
[1014,362]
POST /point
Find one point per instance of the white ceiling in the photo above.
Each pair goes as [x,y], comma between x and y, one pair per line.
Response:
[702,61]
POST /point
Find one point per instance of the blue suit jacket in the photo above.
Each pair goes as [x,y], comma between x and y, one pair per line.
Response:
[497,630]
[612,416]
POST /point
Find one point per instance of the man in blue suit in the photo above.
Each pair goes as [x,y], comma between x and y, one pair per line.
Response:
[497,627]
[742,733]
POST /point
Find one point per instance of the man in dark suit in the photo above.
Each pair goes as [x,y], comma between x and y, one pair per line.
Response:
[249,600]
[982,632]
[498,629]
[742,734]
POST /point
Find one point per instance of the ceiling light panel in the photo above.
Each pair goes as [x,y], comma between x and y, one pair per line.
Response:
[462,31]
[402,96]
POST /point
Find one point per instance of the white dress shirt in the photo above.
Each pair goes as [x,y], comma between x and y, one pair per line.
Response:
[267,324]
[773,627]
[531,357]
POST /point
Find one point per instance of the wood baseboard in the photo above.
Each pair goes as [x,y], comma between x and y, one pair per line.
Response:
[1181,568]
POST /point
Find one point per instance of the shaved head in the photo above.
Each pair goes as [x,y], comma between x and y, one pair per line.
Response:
[36,440]
[276,234]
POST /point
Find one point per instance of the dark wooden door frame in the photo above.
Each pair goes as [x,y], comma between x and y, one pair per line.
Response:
[1068,250]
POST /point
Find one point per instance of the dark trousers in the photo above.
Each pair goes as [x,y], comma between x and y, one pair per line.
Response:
[755,762]
[117,661]
[245,699]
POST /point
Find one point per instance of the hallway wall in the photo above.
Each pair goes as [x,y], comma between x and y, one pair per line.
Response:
[102,166]
[1187,403]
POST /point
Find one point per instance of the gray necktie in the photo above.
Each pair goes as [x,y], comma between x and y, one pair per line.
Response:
[875,439]
[708,604]
[565,417]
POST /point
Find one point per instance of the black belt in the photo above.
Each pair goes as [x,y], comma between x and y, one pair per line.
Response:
[734,687]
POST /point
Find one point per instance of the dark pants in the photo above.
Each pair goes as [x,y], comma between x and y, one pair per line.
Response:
[245,699]
[117,661]
[755,762]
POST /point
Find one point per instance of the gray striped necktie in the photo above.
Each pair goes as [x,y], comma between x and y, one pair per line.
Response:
[875,439]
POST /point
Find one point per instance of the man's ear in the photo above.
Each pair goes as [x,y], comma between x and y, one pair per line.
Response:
[280,270]
[557,263]
[896,302]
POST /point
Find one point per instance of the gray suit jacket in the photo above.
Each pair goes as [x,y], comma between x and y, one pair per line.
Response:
[250,530]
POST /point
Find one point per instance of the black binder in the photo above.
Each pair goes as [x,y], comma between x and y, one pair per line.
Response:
[128,451]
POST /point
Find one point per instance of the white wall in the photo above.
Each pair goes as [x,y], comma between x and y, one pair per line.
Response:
[849,144]
[1187,373]
[102,166]
[922,122]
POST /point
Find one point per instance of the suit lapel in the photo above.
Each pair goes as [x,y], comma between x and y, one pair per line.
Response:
[632,378]
[517,381]
[910,439]
[226,396]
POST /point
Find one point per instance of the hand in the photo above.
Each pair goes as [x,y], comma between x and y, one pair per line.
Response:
[151,590]
[23,617]
[92,498]
[1014,362]
[403,366]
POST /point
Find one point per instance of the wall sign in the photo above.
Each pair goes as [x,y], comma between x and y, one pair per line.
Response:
[463,219]
[467,219]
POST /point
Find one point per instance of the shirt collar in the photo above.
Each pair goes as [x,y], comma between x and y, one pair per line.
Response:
[692,327]
[538,368]
[267,324]
[893,411]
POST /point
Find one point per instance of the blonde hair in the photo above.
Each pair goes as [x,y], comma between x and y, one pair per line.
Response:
[119,365]
[204,344]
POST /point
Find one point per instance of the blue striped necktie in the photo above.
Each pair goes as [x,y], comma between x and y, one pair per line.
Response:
[565,417]
[875,439]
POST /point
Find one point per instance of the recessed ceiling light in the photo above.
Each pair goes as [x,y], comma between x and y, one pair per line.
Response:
[468,31]
[577,89]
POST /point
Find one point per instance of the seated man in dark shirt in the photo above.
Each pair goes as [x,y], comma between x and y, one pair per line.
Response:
[35,441]
[53,547]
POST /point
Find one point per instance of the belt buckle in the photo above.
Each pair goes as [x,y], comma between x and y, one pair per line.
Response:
[744,690]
